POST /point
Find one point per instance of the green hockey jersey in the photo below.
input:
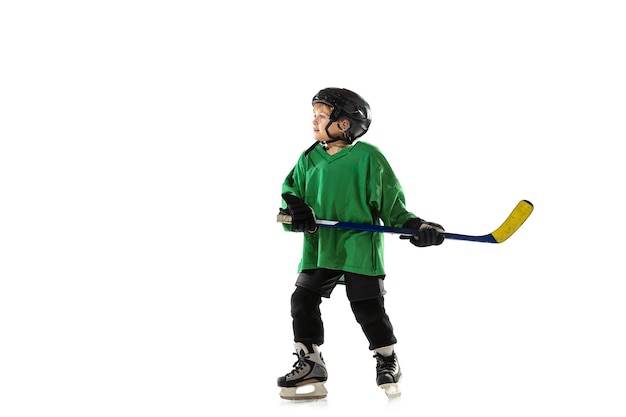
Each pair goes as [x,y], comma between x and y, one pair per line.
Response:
[357,185]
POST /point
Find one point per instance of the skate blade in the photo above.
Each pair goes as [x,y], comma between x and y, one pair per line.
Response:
[315,391]
[392,390]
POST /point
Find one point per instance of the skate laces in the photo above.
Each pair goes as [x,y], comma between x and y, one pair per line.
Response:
[299,364]
[384,364]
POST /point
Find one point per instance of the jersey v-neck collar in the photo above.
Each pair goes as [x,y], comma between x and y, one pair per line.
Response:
[343,152]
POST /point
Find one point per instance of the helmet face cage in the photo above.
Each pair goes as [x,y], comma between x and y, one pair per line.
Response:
[349,105]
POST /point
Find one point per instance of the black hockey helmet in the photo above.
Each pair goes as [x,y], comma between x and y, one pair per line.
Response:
[349,105]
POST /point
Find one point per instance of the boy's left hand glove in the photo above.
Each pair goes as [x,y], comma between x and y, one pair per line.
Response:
[302,216]
[429,233]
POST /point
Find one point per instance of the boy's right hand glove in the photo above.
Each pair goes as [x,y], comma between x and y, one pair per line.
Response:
[429,233]
[302,216]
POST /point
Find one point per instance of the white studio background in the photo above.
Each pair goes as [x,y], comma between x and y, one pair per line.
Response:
[142,150]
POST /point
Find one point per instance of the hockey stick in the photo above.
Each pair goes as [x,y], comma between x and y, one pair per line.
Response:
[517,217]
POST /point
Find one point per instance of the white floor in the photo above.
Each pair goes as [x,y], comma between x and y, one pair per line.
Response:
[143,146]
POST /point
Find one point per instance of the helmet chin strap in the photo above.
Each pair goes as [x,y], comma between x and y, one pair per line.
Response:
[333,138]
[326,142]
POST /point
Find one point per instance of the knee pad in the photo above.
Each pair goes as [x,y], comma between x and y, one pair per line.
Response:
[374,321]
[303,300]
[368,311]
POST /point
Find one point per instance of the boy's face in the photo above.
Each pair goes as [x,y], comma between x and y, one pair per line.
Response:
[321,117]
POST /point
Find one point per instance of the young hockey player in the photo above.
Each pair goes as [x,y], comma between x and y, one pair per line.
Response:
[339,179]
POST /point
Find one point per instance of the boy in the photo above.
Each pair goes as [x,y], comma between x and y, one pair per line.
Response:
[338,179]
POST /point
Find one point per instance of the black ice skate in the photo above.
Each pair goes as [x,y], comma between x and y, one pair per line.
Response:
[306,380]
[388,374]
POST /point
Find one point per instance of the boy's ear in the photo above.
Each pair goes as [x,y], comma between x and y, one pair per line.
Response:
[344,125]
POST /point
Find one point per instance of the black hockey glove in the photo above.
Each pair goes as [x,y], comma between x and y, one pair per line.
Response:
[429,233]
[302,216]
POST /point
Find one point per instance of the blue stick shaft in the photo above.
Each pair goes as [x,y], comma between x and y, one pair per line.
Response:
[399,230]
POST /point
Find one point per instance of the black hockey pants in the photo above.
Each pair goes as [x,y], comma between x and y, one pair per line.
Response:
[366,300]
